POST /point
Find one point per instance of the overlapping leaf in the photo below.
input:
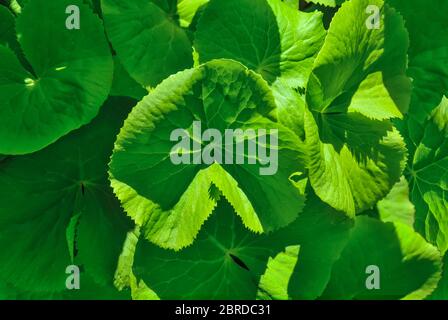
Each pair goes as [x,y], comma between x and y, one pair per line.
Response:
[148,38]
[188,9]
[39,195]
[271,38]
[123,85]
[406,266]
[396,206]
[171,201]
[225,253]
[441,292]
[70,77]
[428,177]
[428,55]
[322,234]
[209,268]
[357,84]
[343,101]
[274,282]
[267,36]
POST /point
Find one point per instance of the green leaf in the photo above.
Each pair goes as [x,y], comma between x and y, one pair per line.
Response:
[357,85]
[124,276]
[169,6]
[72,77]
[95,5]
[362,72]
[291,106]
[292,3]
[428,177]
[140,291]
[147,38]
[221,95]
[406,265]
[322,233]
[274,282]
[271,38]
[225,253]
[6,292]
[123,85]
[7,29]
[101,231]
[428,56]
[89,290]
[267,36]
[206,270]
[8,37]
[396,206]
[187,10]
[441,292]
[41,193]
[354,161]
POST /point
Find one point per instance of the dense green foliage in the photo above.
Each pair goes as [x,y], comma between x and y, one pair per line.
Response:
[87,178]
